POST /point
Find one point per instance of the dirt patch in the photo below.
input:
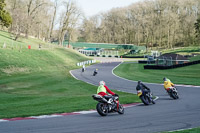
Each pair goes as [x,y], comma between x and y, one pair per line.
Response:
[3,86]
[14,70]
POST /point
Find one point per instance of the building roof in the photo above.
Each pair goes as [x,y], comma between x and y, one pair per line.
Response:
[92,49]
[172,57]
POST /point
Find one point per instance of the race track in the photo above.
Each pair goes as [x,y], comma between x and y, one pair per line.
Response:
[165,115]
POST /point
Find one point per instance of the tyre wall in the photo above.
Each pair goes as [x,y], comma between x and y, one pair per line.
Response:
[172,66]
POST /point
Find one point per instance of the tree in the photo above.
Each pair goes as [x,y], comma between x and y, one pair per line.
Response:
[197,28]
[162,23]
[53,19]
[5,18]
[36,24]
[33,7]
[68,21]
[18,15]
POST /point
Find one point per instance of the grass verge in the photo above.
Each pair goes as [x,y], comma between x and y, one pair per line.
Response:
[194,130]
[185,75]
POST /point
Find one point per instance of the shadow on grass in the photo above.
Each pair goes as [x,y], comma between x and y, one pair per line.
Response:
[7,37]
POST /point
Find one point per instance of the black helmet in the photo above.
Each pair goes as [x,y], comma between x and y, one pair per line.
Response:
[139,81]
[164,78]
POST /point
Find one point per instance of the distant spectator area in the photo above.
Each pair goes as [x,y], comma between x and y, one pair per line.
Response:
[99,52]
[91,51]
[107,46]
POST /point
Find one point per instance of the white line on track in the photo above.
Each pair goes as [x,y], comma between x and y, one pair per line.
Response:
[3,120]
[78,79]
[45,116]
[86,112]
[73,75]
[180,130]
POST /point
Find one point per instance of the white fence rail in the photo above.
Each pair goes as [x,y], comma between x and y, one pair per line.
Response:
[86,62]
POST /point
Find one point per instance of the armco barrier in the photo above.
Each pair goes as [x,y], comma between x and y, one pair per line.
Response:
[86,62]
[171,67]
[145,62]
[124,56]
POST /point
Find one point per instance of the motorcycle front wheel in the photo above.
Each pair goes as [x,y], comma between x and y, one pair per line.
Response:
[174,95]
[121,109]
[144,99]
[102,109]
[153,101]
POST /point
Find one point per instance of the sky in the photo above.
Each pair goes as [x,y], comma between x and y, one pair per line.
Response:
[93,7]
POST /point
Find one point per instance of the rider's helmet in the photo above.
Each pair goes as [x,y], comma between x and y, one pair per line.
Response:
[102,83]
[139,82]
[165,79]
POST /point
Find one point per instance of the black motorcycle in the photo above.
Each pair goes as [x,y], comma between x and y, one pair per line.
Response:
[146,97]
[83,69]
[95,73]
[173,93]
[108,104]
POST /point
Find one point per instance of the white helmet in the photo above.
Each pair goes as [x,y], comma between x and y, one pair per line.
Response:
[102,83]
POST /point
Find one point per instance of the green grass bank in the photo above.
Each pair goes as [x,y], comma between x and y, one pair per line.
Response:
[133,71]
[194,130]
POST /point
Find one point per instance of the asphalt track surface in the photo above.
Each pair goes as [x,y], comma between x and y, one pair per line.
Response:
[165,115]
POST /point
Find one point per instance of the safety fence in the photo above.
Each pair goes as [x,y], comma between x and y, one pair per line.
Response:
[105,45]
[21,46]
[86,62]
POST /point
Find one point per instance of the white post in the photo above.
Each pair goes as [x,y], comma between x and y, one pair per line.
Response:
[4,45]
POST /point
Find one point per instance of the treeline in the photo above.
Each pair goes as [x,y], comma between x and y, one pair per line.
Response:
[159,23]
[44,19]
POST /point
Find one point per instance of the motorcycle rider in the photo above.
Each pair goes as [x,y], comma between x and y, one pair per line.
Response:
[141,86]
[103,89]
[95,72]
[83,68]
[167,84]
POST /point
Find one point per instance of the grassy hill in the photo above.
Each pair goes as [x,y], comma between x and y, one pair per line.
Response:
[37,82]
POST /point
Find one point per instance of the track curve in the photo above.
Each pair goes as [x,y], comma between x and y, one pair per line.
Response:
[166,115]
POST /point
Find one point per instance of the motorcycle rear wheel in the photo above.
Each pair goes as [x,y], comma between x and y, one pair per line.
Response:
[102,109]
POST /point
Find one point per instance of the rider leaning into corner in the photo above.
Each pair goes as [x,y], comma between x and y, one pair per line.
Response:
[167,84]
[103,89]
[141,86]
